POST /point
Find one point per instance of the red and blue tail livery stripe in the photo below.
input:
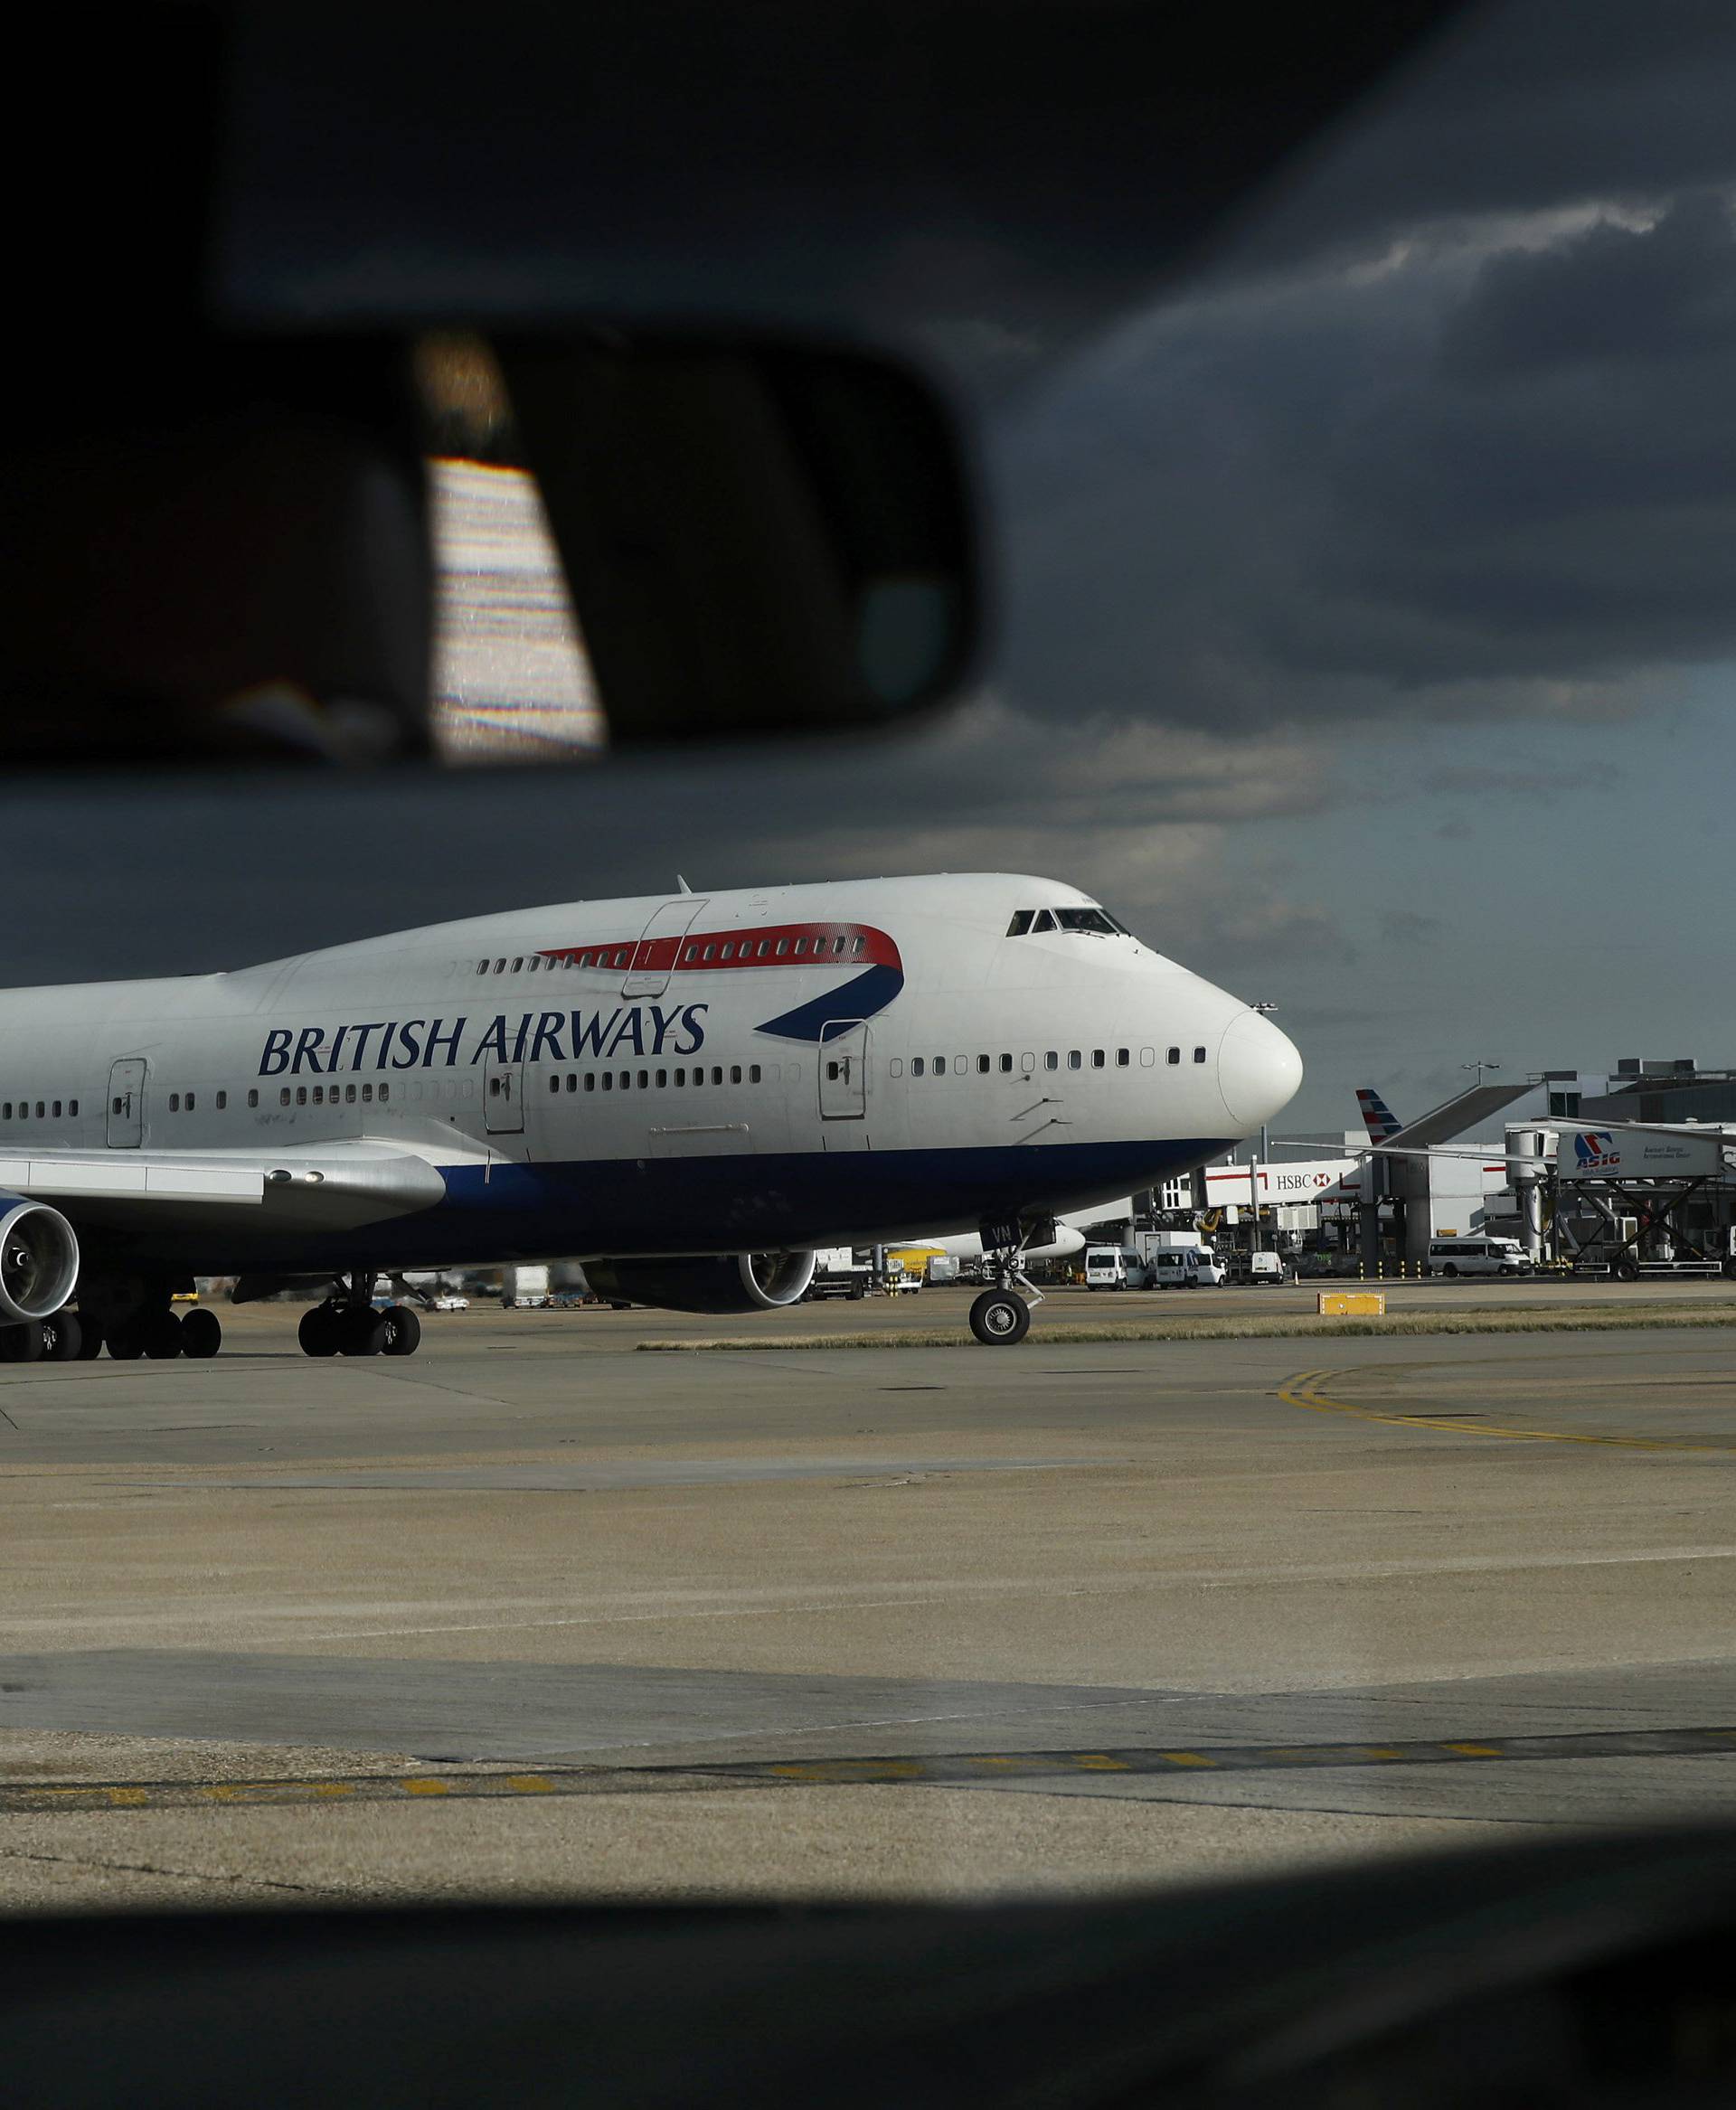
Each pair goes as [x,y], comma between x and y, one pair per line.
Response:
[1378,1117]
[871,952]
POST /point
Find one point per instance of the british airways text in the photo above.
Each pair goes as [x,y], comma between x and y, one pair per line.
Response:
[421,1043]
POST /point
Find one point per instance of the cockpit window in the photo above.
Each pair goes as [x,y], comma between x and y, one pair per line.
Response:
[1019,924]
[1045,919]
[1091,919]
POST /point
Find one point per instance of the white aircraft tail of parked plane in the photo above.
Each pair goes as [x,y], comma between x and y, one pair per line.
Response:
[688,1093]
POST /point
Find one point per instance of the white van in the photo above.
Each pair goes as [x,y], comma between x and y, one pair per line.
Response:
[1255,1268]
[1476,1257]
[1106,1268]
[1186,1267]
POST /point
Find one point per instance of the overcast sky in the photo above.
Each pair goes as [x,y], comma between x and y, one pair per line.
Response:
[1369,627]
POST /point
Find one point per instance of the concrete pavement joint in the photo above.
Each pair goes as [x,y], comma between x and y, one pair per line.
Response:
[950,1769]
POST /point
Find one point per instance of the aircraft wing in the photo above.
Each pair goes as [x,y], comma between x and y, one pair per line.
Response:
[330,1186]
[1456,1118]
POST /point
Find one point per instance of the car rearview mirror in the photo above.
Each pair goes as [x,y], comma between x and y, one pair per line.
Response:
[361,550]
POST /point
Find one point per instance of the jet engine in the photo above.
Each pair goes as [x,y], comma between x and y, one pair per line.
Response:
[38,1261]
[724,1282]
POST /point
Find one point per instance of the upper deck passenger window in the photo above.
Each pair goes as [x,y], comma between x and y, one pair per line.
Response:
[1021,922]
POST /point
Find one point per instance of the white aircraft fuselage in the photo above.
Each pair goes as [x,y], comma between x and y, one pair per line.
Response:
[762,1069]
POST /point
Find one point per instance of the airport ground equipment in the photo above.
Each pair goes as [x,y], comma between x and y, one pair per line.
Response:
[838,1273]
[1630,1202]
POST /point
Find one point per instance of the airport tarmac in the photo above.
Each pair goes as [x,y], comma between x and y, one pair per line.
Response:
[534,1614]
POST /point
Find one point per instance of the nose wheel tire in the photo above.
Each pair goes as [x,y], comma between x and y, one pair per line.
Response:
[403,1330]
[62,1338]
[201,1333]
[999,1318]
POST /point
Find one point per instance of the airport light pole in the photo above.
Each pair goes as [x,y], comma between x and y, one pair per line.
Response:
[1479,1068]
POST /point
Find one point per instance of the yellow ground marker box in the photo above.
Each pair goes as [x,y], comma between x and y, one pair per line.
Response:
[1351,1304]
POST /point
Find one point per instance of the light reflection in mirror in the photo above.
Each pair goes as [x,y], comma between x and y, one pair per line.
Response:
[510,678]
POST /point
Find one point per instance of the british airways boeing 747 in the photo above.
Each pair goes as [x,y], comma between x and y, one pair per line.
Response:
[689,1093]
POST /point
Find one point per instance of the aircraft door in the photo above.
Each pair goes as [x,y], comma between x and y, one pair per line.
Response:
[503,1098]
[127,1103]
[653,958]
[844,1071]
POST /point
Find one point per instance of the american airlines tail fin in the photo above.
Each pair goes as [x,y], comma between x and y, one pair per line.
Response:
[1378,1117]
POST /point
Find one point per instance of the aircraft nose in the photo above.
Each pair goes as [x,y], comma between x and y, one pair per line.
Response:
[1259,1070]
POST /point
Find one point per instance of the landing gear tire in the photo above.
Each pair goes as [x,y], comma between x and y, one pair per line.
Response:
[403,1330]
[22,1343]
[361,1331]
[62,1338]
[89,1338]
[1000,1318]
[202,1334]
[163,1336]
[317,1332]
[126,1341]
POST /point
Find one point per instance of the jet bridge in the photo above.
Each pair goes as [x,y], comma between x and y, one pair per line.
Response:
[1402,1176]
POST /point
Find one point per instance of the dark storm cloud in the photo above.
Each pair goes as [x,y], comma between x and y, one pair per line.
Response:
[1531,104]
[1470,480]
[237,871]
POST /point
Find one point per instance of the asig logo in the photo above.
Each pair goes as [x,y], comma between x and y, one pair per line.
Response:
[1594,1150]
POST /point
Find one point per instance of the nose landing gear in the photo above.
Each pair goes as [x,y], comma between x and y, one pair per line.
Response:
[1001,1317]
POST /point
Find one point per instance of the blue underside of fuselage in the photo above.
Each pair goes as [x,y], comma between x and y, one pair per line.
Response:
[509,1211]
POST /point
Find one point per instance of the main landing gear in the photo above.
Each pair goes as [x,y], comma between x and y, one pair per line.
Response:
[52,1339]
[1001,1317]
[159,1334]
[130,1315]
[347,1323]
